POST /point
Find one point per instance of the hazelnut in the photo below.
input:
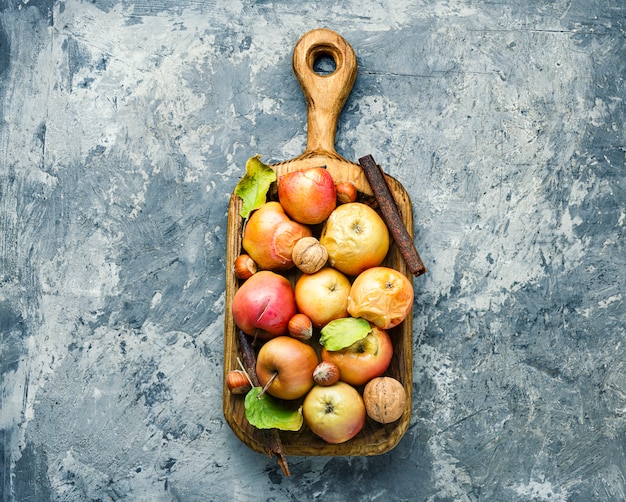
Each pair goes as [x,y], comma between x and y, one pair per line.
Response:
[385,399]
[237,382]
[309,255]
[300,327]
[346,192]
[326,373]
[245,267]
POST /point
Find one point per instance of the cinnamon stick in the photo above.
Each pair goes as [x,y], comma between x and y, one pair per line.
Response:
[391,215]
[270,436]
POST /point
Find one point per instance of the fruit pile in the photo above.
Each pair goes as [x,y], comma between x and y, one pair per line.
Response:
[321,333]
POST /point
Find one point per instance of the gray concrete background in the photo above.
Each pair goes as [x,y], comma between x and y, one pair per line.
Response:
[125,126]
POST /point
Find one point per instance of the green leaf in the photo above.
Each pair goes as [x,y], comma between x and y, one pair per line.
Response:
[268,413]
[253,187]
[342,333]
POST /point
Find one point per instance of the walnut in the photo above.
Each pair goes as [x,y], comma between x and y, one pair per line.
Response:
[309,255]
[385,399]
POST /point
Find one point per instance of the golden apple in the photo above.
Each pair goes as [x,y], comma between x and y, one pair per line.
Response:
[323,296]
[381,295]
[355,237]
[336,413]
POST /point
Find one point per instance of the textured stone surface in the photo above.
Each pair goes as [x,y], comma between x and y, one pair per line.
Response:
[125,127]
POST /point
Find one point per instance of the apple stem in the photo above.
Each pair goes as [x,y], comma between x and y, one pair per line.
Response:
[245,372]
[266,386]
[271,438]
[254,338]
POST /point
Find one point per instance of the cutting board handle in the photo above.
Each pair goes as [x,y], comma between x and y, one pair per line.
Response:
[325,95]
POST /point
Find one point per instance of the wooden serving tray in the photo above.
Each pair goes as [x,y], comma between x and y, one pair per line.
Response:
[325,97]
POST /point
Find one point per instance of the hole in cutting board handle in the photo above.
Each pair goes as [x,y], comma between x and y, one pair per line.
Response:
[324,93]
[324,64]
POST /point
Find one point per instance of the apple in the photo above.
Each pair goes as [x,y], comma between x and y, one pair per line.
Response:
[381,295]
[323,296]
[270,235]
[309,195]
[355,237]
[336,413]
[289,364]
[364,359]
[264,304]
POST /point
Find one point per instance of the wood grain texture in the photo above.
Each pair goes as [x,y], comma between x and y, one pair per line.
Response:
[325,97]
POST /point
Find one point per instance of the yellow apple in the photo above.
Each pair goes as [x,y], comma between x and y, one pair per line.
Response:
[323,296]
[381,295]
[356,238]
[336,413]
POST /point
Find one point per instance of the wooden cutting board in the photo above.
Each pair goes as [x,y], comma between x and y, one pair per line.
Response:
[325,96]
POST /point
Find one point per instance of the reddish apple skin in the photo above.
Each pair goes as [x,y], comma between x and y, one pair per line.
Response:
[269,236]
[263,305]
[336,413]
[364,359]
[293,362]
[323,296]
[308,196]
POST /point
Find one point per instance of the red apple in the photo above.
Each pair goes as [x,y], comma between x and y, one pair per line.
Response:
[336,413]
[263,305]
[309,195]
[381,295]
[364,359]
[356,238]
[323,296]
[269,236]
[289,363]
